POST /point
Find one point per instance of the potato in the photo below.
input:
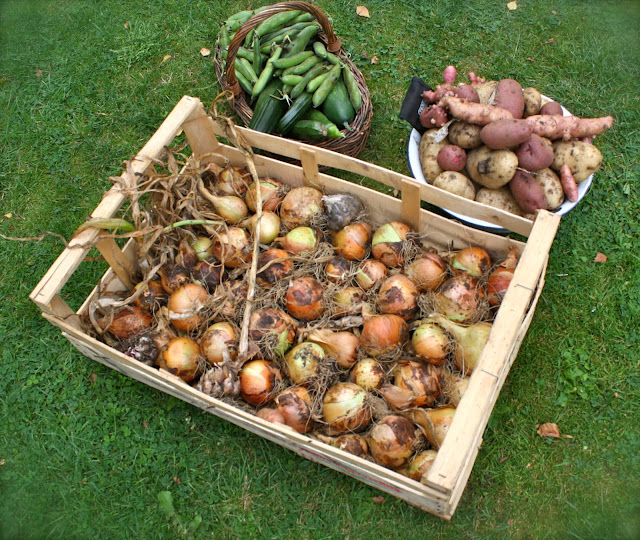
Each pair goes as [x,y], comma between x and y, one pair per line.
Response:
[532,101]
[452,158]
[509,96]
[507,133]
[551,186]
[581,157]
[535,153]
[551,108]
[464,135]
[491,168]
[457,183]
[501,198]
[428,151]
[486,91]
[528,193]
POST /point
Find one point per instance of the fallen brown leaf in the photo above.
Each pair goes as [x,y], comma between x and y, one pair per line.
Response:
[503,459]
[550,40]
[379,499]
[362,11]
[512,5]
[205,52]
[165,58]
[600,258]
[549,430]
[176,480]
[94,377]
[374,60]
[39,73]
[126,24]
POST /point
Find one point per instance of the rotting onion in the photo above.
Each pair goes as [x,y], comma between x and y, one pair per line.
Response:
[349,442]
[173,276]
[473,260]
[382,334]
[186,306]
[207,273]
[304,298]
[338,270]
[398,295]
[344,408]
[370,273]
[232,247]
[274,326]
[294,404]
[353,241]
[428,271]
[342,345]
[181,357]
[367,373]
[274,265]
[387,244]
[258,381]
[391,441]
[300,207]
[431,343]
[423,380]
[219,343]
[187,255]
[153,295]
[459,298]
[302,362]
[341,209]
[347,301]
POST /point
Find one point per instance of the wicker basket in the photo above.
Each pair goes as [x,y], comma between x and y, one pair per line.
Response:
[354,140]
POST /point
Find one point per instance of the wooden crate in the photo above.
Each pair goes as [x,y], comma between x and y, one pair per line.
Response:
[454,462]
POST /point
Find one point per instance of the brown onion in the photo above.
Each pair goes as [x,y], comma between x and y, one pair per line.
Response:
[301,207]
[219,343]
[153,295]
[419,465]
[207,273]
[347,301]
[391,441]
[435,423]
[202,247]
[423,380]
[302,362]
[343,346]
[173,276]
[271,192]
[370,273]
[497,285]
[272,324]
[472,260]
[387,243]
[186,306]
[368,374]
[294,404]
[232,247]
[454,386]
[269,226]
[398,295]
[431,343]
[234,294]
[271,415]
[180,357]
[428,271]
[300,240]
[258,381]
[233,181]
[127,321]
[187,255]
[338,270]
[344,408]
[304,299]
[270,273]
[470,340]
[459,297]
[382,334]
[353,241]
[349,442]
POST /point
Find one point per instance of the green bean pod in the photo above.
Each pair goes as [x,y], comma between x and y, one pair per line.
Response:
[256,60]
[352,87]
[276,21]
[243,66]
[290,61]
[267,72]
[302,39]
[316,82]
[320,49]
[305,66]
[327,85]
[308,76]
[291,80]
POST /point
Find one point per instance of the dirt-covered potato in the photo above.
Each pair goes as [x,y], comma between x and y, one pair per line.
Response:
[428,151]
[535,153]
[528,193]
[532,101]
[507,133]
[499,198]
[551,187]
[464,135]
[582,158]
[486,91]
[491,168]
[457,183]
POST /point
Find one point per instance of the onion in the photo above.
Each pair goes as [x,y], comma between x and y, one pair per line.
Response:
[341,209]
[232,247]
[127,322]
[302,362]
[258,381]
[387,243]
[459,298]
[301,207]
[352,241]
[454,386]
[368,374]
[173,276]
[271,192]
[233,181]
[271,415]
[343,346]
[218,343]
[202,247]
[370,273]
[187,255]
[207,273]
[304,298]
[419,465]
[470,340]
[275,325]
[186,306]
[347,301]
[269,226]
[300,240]
[431,343]
[428,271]
[180,357]
[497,285]
[294,404]
[153,295]
[398,295]
[338,270]
[276,271]
[382,334]
[391,441]
[344,408]
[434,422]
[231,208]
[423,380]
[349,442]
[472,260]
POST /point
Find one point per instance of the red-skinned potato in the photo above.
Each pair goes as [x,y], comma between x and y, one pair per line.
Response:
[535,153]
[452,158]
[507,133]
[551,107]
[528,193]
[509,96]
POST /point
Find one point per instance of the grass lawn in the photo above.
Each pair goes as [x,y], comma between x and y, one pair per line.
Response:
[85,451]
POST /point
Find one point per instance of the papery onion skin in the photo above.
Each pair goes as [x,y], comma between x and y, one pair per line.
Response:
[232,247]
[127,322]
[347,301]
[275,323]
[181,358]
[235,292]
[341,345]
[153,295]
[353,241]
[391,441]
[382,334]
[304,298]
[398,295]
[338,270]
[173,276]
[271,191]
[370,273]
[424,380]
[473,260]
[419,465]
[428,271]
[232,181]
[258,381]
[497,285]
[207,273]
[217,339]
[276,271]
[344,408]
[294,404]
[302,362]
[431,343]
[368,374]
[301,207]
[186,306]
[186,257]
[441,419]
[387,243]
[459,298]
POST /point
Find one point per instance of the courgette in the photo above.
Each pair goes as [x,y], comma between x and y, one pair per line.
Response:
[309,130]
[333,132]
[337,105]
[297,110]
[269,108]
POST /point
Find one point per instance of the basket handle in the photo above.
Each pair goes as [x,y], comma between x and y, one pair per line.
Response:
[333,43]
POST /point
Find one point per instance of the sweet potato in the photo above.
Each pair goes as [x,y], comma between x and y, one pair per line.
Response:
[507,133]
[464,135]
[457,183]
[567,127]
[532,101]
[509,96]
[582,158]
[569,185]
[474,113]
[551,108]
[528,193]
[462,91]
[491,168]
[449,75]
[535,153]
[452,158]
[501,198]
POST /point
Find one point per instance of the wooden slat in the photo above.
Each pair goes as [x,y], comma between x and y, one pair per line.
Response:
[411,205]
[309,161]
[120,263]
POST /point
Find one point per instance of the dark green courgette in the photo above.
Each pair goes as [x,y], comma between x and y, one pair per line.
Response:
[269,108]
[333,132]
[337,105]
[309,130]
[297,110]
